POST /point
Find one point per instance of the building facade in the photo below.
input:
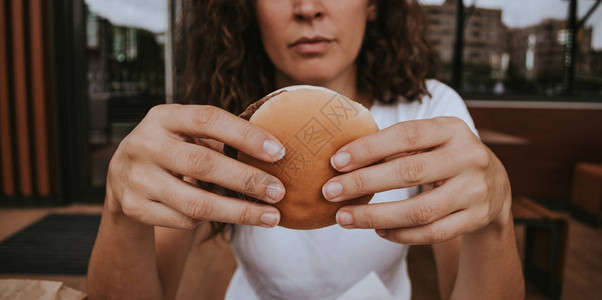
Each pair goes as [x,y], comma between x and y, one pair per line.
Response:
[528,58]
[485,37]
[538,51]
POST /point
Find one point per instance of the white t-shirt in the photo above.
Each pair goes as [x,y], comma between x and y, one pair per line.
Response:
[281,263]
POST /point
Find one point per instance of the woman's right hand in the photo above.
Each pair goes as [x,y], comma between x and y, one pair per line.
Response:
[174,142]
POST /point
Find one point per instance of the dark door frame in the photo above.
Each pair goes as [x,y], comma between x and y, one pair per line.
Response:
[71,110]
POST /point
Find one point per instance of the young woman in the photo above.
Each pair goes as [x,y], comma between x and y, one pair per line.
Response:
[371,51]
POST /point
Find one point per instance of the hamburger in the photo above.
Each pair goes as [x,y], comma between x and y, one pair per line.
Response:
[312,123]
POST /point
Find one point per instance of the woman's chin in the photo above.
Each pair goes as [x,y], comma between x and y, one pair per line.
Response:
[310,74]
[312,79]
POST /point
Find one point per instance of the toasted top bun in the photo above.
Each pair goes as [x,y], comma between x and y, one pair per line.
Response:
[312,123]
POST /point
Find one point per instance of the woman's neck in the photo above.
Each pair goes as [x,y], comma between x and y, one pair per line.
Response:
[345,84]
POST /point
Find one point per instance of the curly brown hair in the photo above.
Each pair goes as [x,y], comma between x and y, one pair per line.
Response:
[226,65]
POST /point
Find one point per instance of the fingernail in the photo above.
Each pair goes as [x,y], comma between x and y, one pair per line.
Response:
[332,190]
[273,149]
[270,219]
[340,160]
[381,232]
[275,192]
[344,218]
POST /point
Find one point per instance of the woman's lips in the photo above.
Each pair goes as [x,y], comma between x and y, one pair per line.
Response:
[312,47]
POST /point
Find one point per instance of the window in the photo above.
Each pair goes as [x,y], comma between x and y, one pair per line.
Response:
[511,48]
[126,72]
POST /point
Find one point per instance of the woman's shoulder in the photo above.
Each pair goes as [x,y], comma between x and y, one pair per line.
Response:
[438,90]
[443,100]
[440,100]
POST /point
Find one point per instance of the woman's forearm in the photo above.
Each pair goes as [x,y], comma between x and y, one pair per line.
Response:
[123,264]
[489,266]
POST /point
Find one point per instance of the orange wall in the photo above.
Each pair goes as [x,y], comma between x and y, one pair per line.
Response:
[26,169]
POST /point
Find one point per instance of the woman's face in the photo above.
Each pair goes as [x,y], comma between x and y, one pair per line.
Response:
[313,41]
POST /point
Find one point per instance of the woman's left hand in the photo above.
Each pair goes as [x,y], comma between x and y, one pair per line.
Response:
[471,187]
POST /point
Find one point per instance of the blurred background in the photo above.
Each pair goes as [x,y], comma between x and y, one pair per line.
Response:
[76,76]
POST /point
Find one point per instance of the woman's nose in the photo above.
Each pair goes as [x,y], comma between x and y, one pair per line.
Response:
[308,10]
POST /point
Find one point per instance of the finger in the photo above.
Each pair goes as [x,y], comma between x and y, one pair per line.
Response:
[211,144]
[208,165]
[443,230]
[218,124]
[419,210]
[402,172]
[203,205]
[155,214]
[402,137]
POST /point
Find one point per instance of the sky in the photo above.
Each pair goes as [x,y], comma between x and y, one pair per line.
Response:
[152,14]
[147,14]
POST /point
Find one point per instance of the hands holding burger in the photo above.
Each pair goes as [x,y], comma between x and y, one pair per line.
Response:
[162,161]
